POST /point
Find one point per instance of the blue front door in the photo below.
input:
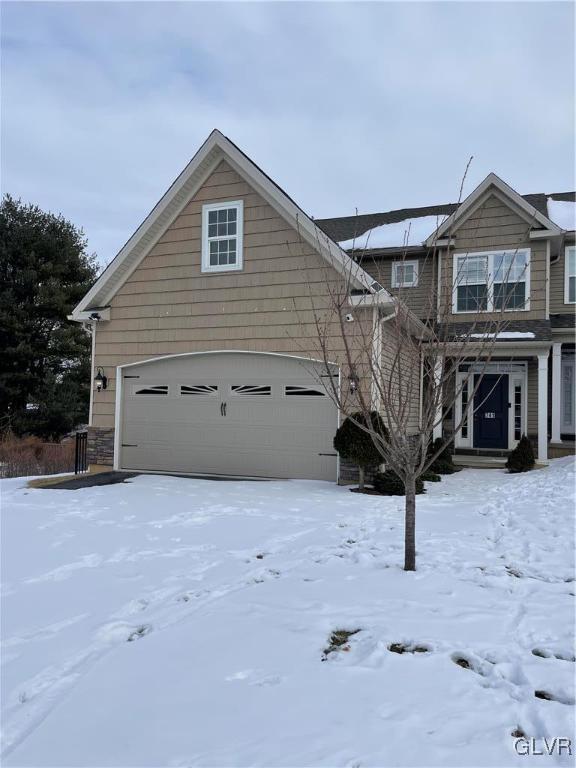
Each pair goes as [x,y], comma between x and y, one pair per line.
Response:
[491,411]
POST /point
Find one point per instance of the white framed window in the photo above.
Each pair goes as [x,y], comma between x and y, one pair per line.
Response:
[570,275]
[404,274]
[491,281]
[222,230]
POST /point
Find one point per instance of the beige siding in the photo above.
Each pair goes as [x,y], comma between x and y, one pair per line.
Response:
[495,226]
[557,277]
[400,378]
[532,398]
[168,306]
[421,298]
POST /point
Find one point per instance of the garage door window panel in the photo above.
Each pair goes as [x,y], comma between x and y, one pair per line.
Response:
[251,390]
[296,391]
[150,390]
[199,390]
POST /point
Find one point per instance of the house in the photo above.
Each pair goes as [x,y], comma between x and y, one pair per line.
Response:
[205,352]
[528,386]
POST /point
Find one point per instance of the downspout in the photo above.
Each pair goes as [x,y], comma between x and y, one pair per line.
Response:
[377,323]
[92,370]
[547,280]
[439,285]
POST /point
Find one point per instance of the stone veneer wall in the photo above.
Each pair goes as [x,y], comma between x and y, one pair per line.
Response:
[349,473]
[101,445]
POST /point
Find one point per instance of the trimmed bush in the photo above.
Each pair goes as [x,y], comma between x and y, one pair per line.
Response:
[430,477]
[522,458]
[389,484]
[443,464]
[356,445]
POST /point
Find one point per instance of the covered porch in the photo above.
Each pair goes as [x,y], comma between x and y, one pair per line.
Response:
[522,389]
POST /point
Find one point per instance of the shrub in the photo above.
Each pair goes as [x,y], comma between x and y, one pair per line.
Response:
[442,464]
[389,484]
[522,458]
[20,457]
[356,445]
[430,477]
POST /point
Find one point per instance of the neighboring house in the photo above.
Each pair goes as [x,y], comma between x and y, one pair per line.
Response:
[448,260]
[204,324]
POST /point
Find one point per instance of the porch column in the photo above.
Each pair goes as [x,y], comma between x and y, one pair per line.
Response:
[437,429]
[543,408]
[556,391]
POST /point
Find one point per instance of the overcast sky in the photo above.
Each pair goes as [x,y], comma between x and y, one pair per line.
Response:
[346,105]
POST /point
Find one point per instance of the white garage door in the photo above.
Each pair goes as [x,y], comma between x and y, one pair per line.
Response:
[229,413]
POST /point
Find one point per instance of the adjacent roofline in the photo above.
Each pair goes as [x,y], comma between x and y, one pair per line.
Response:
[492,180]
[215,149]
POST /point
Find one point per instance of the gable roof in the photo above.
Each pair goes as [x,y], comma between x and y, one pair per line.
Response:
[492,182]
[347,228]
[216,148]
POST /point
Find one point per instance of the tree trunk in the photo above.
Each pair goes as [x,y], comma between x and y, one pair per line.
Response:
[361,478]
[410,526]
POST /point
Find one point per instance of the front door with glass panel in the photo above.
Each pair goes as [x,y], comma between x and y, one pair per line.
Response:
[567,403]
[491,411]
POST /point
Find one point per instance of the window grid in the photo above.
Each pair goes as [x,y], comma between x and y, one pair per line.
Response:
[404,274]
[222,236]
[492,281]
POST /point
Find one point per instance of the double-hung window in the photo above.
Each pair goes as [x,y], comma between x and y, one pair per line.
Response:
[570,275]
[404,274]
[491,281]
[222,236]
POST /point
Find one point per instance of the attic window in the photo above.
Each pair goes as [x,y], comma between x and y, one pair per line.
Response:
[222,225]
[404,274]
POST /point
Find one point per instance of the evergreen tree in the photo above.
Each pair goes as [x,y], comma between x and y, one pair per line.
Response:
[356,445]
[390,484]
[443,463]
[522,458]
[44,272]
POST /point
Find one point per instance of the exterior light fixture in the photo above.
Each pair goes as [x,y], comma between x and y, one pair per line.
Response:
[353,382]
[100,380]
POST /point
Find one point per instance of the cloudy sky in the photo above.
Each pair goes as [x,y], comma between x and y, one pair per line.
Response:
[372,106]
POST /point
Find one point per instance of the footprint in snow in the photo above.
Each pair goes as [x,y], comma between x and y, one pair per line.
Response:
[546,654]
[560,698]
[138,633]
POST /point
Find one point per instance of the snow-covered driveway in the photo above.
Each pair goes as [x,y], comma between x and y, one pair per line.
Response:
[179,622]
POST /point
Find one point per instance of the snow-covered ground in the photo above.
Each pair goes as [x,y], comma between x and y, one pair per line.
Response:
[179,622]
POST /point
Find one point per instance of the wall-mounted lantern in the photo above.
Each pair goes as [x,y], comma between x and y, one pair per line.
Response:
[100,380]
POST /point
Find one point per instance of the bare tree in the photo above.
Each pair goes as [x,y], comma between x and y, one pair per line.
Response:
[404,365]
